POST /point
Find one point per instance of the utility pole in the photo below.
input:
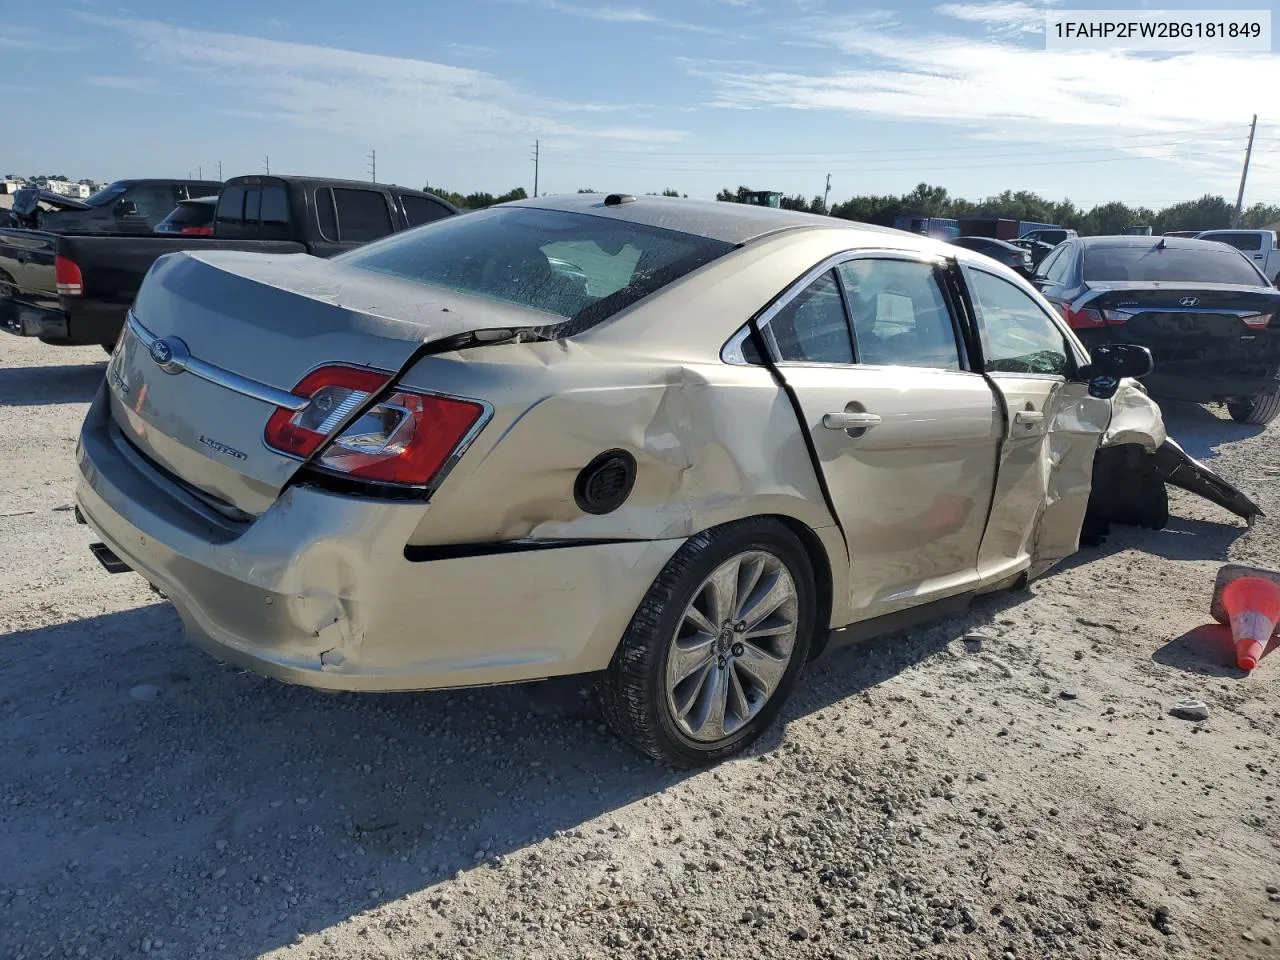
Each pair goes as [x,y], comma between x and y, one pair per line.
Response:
[537,149]
[199,172]
[825,194]
[373,165]
[266,163]
[219,169]
[1248,152]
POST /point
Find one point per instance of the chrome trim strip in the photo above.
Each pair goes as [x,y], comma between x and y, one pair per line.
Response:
[224,378]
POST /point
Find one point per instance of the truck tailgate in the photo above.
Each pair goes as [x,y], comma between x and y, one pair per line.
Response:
[26,272]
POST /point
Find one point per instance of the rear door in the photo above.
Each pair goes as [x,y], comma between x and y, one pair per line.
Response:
[904,433]
[1052,428]
[349,217]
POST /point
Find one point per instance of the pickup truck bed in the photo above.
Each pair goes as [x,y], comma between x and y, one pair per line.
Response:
[72,288]
[111,269]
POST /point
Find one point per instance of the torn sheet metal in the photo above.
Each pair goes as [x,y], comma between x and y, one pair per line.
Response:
[1135,419]
[1177,467]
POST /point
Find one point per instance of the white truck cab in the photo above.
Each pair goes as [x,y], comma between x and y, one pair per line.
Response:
[1260,246]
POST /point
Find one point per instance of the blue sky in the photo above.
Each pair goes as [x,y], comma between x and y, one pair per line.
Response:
[635,96]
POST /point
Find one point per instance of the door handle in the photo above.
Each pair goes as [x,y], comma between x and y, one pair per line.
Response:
[1028,417]
[849,420]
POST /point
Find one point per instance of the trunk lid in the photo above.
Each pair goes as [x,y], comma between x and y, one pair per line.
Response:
[1193,326]
[253,325]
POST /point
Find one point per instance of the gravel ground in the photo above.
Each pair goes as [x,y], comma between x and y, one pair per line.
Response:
[1006,784]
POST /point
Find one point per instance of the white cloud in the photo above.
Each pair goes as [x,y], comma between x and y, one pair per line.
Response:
[27,39]
[609,14]
[136,84]
[999,16]
[1008,91]
[345,92]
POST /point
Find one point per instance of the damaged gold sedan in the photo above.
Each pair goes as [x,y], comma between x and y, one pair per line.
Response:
[683,446]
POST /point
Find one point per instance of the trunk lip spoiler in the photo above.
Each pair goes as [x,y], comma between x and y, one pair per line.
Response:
[211,372]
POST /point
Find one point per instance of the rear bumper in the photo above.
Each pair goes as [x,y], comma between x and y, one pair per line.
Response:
[78,323]
[1198,389]
[317,591]
[1226,370]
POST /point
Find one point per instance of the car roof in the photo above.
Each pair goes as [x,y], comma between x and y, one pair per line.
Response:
[203,201]
[1173,243]
[256,178]
[735,223]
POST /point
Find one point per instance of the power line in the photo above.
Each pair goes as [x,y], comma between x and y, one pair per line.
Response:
[1116,140]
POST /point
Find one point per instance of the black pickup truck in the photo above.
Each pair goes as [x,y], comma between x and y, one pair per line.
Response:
[73,289]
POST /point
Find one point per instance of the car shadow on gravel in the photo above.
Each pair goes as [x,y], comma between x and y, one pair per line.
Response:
[40,386]
[154,794]
[1200,431]
[1181,539]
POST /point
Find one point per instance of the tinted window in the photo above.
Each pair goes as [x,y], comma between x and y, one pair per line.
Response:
[1060,269]
[813,327]
[153,200]
[899,314]
[108,194]
[275,214]
[1196,263]
[569,265]
[231,207]
[1047,264]
[420,210]
[252,206]
[325,217]
[363,215]
[1019,337]
[189,215]
[1241,241]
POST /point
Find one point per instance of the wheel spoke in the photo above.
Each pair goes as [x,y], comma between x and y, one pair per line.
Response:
[700,622]
[771,595]
[762,667]
[714,695]
[688,657]
[724,590]
[697,692]
[739,706]
[747,584]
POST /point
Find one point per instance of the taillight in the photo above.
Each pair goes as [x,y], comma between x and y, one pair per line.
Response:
[334,393]
[1256,321]
[404,438]
[1087,318]
[66,277]
[197,231]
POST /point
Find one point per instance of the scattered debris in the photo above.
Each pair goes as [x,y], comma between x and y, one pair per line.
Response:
[1190,710]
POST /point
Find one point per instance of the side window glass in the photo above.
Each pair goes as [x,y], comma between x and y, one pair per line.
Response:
[813,327]
[420,210]
[1047,264]
[275,214]
[252,210]
[363,215]
[1059,269]
[325,217]
[900,317]
[231,207]
[1019,337]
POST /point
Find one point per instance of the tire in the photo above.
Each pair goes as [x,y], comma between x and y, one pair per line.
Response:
[635,696]
[1258,411]
[1126,489]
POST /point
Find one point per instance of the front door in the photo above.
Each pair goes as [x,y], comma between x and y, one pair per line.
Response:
[906,436]
[1052,430]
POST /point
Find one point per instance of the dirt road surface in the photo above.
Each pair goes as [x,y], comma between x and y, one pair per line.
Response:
[1021,793]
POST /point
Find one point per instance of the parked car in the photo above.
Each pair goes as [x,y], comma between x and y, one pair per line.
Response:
[190,218]
[1037,248]
[74,289]
[1002,251]
[1207,314]
[1258,245]
[440,461]
[1182,233]
[126,206]
[1050,235]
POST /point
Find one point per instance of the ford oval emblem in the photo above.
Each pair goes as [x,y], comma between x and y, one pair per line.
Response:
[170,354]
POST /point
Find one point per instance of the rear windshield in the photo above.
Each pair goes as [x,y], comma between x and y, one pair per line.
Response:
[572,266]
[191,215]
[1206,263]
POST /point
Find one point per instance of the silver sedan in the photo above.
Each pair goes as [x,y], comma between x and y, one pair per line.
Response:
[681,446]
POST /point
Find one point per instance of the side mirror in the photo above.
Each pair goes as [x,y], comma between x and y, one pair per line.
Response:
[126,208]
[1112,362]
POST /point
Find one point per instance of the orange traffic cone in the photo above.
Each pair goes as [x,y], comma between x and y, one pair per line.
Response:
[1249,600]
